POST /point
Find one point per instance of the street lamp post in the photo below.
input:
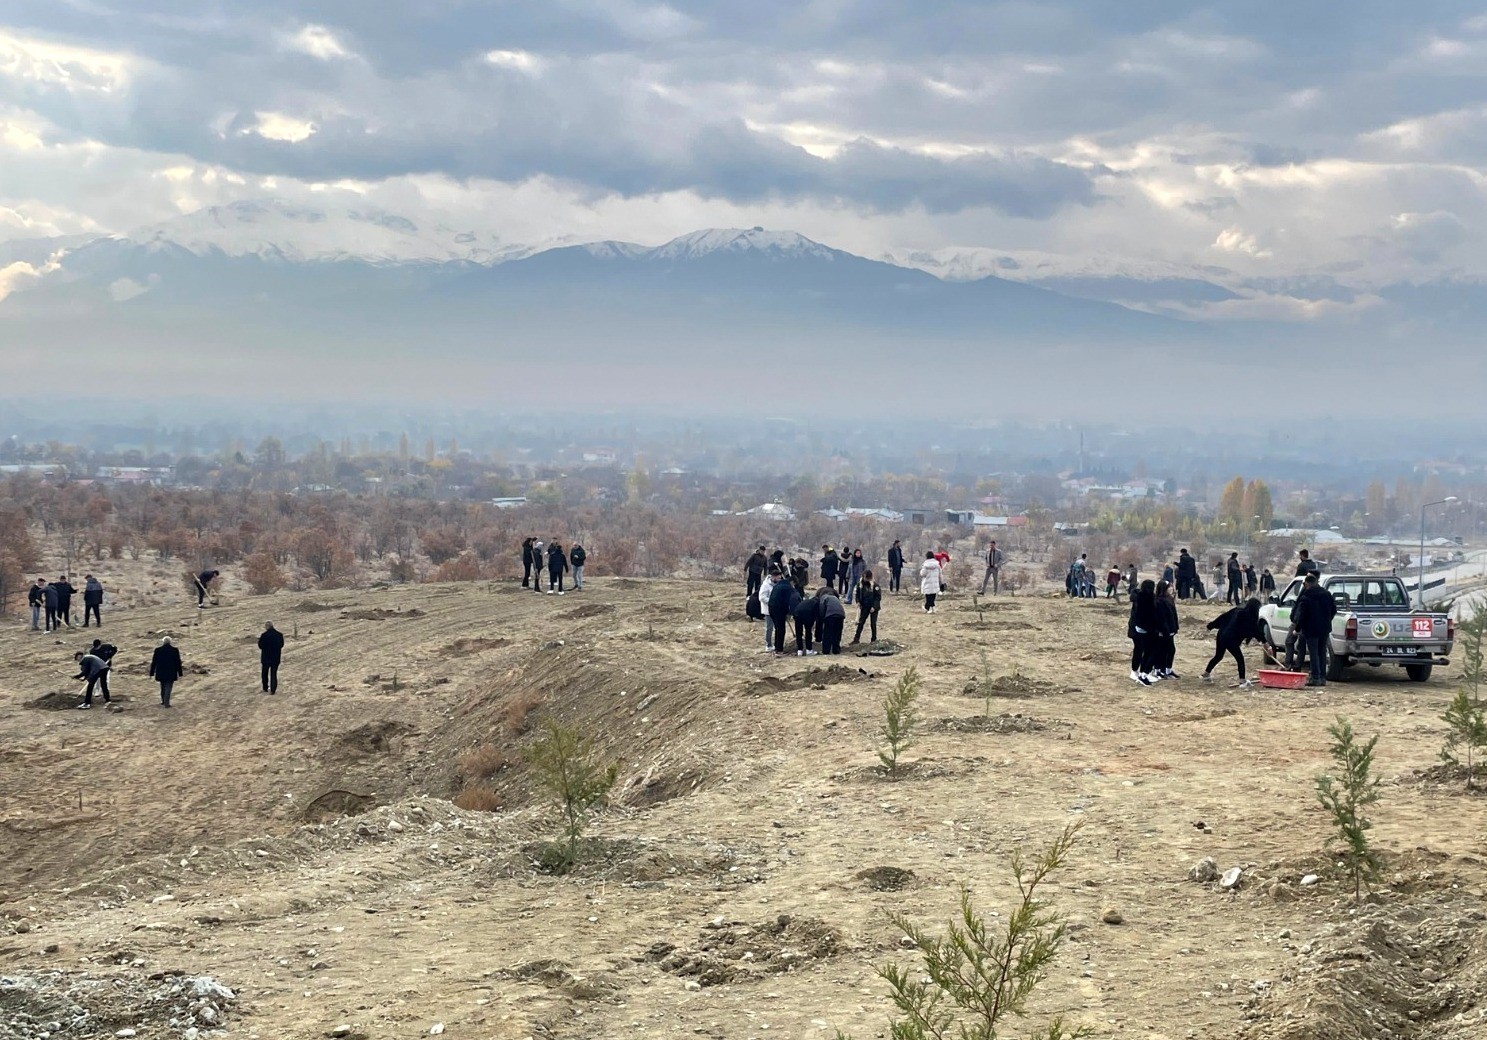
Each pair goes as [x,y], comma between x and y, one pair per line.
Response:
[1427,505]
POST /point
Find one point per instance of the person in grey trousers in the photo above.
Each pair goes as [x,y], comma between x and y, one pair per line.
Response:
[165,669]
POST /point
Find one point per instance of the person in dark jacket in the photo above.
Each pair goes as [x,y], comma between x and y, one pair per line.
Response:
[539,561]
[800,574]
[782,600]
[49,603]
[852,574]
[754,568]
[1235,627]
[203,584]
[1267,584]
[557,566]
[577,556]
[895,567]
[1312,618]
[1306,565]
[807,614]
[94,669]
[92,600]
[1251,580]
[869,601]
[1234,577]
[166,668]
[36,599]
[65,592]
[526,563]
[833,617]
[1167,628]
[1187,576]
[270,651]
[830,563]
[1142,629]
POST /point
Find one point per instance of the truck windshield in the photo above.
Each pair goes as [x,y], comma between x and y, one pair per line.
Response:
[1370,592]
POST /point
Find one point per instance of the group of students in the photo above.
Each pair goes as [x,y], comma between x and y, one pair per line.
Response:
[51,603]
[535,558]
[776,594]
[1153,624]
[166,667]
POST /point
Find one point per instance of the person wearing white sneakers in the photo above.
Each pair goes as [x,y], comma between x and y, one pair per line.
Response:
[1141,628]
[1235,627]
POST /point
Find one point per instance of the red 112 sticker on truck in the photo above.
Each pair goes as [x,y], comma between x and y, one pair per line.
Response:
[1423,628]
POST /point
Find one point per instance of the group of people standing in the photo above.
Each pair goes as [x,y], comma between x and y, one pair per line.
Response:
[51,603]
[167,668]
[536,558]
[775,592]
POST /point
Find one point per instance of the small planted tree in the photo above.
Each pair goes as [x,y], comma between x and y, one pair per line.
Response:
[568,768]
[1345,796]
[974,979]
[1467,736]
[900,716]
[1470,635]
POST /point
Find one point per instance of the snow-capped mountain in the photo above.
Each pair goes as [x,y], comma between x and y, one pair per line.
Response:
[279,230]
[777,245]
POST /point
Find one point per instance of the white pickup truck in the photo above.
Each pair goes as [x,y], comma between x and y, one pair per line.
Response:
[1375,625]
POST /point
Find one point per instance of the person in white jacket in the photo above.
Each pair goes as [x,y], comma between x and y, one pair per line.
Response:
[929,581]
[766,586]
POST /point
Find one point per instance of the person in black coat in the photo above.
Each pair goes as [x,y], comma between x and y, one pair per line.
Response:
[36,600]
[1234,577]
[1187,576]
[65,592]
[270,650]
[1142,629]
[869,601]
[782,600]
[754,571]
[557,566]
[203,582]
[807,613]
[829,564]
[895,567]
[526,563]
[166,668]
[800,574]
[49,599]
[1312,619]
[92,600]
[833,619]
[577,556]
[1235,627]
[1167,627]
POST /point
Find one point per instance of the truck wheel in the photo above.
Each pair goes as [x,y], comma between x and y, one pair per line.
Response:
[1417,672]
[1335,666]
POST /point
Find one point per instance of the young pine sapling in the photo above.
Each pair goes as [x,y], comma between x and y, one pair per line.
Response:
[1345,797]
[975,979]
[569,769]
[900,716]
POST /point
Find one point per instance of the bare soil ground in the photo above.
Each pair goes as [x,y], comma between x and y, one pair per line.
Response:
[302,852]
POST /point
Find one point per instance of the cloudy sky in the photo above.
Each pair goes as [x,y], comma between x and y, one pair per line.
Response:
[1274,138]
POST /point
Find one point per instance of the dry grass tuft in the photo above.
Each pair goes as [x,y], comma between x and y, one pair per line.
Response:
[478,798]
[517,716]
[481,762]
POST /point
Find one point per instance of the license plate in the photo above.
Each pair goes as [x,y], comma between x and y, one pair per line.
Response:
[1401,651]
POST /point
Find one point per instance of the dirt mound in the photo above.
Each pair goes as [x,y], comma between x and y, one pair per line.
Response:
[57,700]
[333,804]
[380,614]
[810,678]
[737,952]
[375,738]
[559,977]
[1000,625]
[1393,971]
[309,606]
[1014,685]
[1447,778]
[477,645]
[886,879]
[588,610]
[637,862]
[1003,723]
[38,1004]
